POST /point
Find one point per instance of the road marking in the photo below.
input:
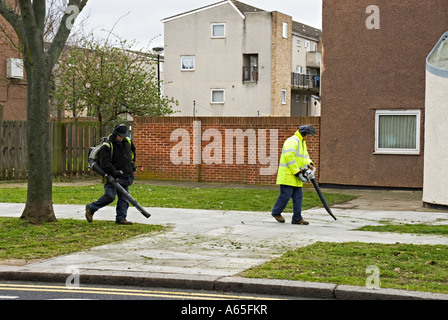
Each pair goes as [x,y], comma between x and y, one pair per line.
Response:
[126,292]
[9,297]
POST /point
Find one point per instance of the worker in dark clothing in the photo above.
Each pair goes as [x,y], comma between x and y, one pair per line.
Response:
[116,158]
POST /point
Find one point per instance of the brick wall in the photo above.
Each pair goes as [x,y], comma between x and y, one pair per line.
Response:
[281,64]
[386,72]
[232,149]
[13,93]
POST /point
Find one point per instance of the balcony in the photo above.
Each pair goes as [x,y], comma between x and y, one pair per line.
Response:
[250,74]
[303,81]
[313,59]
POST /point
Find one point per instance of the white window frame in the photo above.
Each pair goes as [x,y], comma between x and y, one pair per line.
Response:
[212,29]
[223,96]
[182,63]
[414,112]
[308,45]
[299,42]
[284,92]
[285,30]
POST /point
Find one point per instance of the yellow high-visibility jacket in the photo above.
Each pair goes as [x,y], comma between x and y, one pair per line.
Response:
[294,156]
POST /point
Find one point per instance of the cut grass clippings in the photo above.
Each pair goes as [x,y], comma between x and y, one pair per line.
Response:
[24,241]
[401,266]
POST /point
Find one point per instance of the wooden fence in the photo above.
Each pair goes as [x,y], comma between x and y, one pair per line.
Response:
[69,141]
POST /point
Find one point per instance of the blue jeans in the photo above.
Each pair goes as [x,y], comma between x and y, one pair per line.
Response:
[109,196]
[286,193]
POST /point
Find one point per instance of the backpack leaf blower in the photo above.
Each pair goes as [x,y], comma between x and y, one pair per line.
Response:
[96,167]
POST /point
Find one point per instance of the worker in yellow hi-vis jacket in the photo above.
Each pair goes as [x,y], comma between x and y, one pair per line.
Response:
[294,157]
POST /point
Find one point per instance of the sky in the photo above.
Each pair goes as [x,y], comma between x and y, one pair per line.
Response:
[140,20]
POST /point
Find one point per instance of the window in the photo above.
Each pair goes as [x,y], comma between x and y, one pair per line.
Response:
[297,98]
[250,67]
[218,30]
[307,45]
[285,30]
[298,42]
[187,63]
[218,96]
[284,96]
[397,132]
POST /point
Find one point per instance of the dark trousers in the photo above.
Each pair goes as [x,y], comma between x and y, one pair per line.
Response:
[286,193]
[109,196]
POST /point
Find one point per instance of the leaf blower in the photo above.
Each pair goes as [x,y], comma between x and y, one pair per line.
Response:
[306,174]
[96,167]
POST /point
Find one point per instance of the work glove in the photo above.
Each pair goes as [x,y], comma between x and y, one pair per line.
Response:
[117,174]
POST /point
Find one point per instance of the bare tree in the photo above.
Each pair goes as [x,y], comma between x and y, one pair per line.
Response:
[28,21]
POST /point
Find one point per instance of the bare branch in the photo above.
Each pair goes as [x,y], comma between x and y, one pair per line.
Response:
[12,17]
[60,39]
[39,9]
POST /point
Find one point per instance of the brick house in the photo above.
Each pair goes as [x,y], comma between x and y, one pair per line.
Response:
[373,90]
[13,88]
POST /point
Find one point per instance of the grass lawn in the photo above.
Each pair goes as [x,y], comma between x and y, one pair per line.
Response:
[440,230]
[401,266]
[180,197]
[24,241]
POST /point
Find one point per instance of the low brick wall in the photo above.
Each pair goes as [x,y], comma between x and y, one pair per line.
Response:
[216,149]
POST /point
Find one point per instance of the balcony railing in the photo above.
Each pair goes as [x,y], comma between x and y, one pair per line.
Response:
[250,74]
[303,81]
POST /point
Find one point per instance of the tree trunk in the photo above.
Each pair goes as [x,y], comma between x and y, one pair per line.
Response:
[29,24]
[39,203]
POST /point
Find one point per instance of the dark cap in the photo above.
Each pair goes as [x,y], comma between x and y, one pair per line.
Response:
[121,130]
[307,129]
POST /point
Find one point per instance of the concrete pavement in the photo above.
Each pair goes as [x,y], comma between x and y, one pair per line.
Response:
[207,249]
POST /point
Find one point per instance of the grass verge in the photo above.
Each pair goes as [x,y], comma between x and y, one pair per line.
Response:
[401,266]
[440,230]
[180,197]
[24,241]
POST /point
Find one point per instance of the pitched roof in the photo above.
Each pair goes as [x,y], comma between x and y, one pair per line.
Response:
[245,7]
[195,10]
[306,31]
[297,27]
